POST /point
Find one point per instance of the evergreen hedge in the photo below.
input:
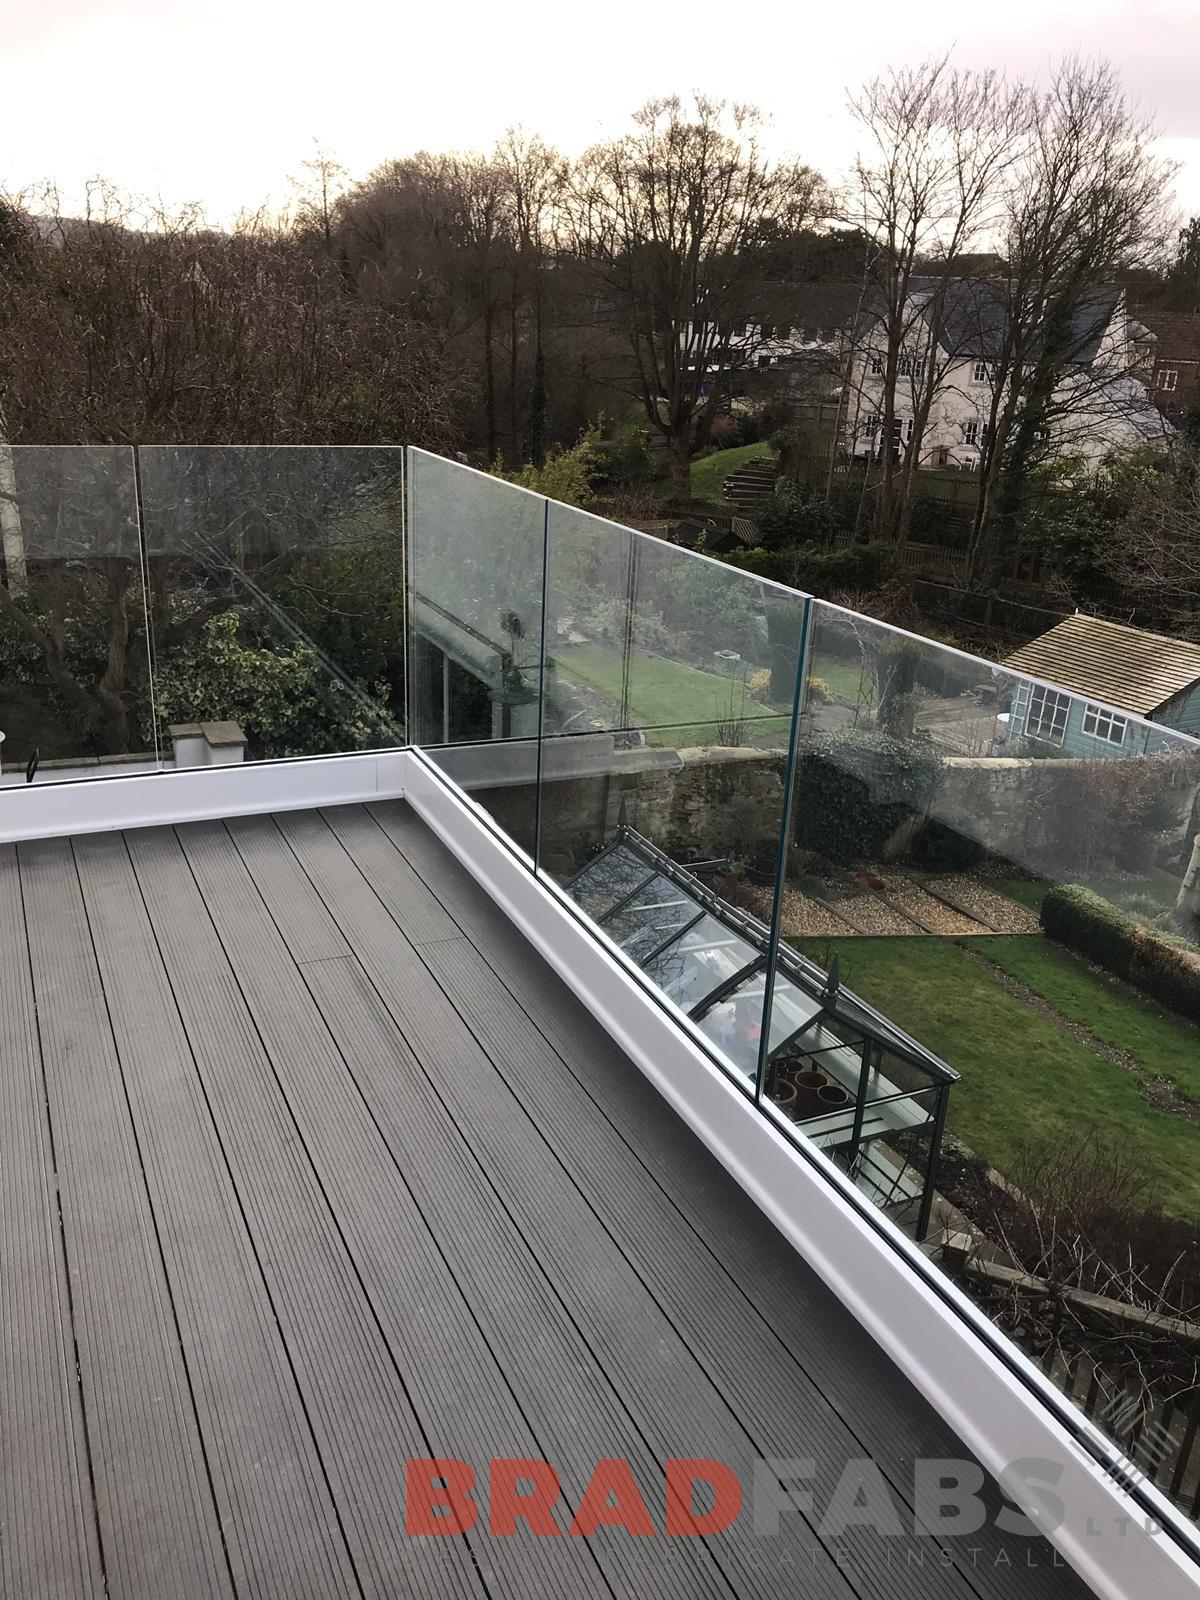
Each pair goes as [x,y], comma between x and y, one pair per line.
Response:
[1086,923]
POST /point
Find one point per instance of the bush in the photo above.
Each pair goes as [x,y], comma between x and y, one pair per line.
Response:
[1089,925]
[792,517]
[820,572]
[856,787]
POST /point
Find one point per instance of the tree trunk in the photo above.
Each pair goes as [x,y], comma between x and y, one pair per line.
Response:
[489,381]
[15,571]
[1187,902]
[681,469]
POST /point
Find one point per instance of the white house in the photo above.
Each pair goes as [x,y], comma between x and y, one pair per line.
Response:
[1102,406]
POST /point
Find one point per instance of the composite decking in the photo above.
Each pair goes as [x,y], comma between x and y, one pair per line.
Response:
[309,1165]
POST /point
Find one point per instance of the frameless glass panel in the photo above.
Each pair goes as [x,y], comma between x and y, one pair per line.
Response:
[700,961]
[74,656]
[475,634]
[669,689]
[614,874]
[980,854]
[276,593]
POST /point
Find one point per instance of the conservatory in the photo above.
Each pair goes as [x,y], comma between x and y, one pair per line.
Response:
[871,1097]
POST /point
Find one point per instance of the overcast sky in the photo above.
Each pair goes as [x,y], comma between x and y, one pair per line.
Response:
[220,100]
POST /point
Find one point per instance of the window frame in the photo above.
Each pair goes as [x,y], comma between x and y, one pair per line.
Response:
[980,373]
[1047,714]
[972,432]
[1096,715]
[1166,373]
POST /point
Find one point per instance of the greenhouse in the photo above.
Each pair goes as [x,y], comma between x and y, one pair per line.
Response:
[861,1089]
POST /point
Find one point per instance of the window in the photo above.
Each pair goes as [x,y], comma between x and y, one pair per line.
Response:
[1168,378]
[908,367]
[971,432]
[980,373]
[877,366]
[764,361]
[1047,715]
[908,430]
[1104,724]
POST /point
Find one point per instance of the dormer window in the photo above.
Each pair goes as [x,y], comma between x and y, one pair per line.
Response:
[1168,378]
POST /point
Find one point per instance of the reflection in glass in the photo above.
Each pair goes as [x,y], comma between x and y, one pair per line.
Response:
[276,598]
[74,656]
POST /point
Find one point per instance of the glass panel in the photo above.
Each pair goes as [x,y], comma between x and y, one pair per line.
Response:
[943,805]
[276,591]
[74,656]
[670,683]
[476,549]
[701,960]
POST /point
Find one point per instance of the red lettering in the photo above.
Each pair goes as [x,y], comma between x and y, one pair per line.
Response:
[612,1500]
[437,1495]
[508,1505]
[683,1474]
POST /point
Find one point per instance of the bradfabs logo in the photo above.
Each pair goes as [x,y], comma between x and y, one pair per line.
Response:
[702,1497]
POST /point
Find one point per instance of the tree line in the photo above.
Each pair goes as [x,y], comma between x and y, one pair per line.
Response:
[496,303]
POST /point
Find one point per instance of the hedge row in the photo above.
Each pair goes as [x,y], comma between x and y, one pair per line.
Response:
[855,566]
[1089,925]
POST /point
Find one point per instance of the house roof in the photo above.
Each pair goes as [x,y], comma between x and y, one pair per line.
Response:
[976,318]
[1177,332]
[1107,661]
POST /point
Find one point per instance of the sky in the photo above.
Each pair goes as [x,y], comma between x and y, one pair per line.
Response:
[220,102]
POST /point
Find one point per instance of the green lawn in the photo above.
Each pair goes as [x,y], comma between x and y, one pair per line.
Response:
[1021,1074]
[710,472]
[844,680]
[1164,1044]
[675,705]
[1025,890]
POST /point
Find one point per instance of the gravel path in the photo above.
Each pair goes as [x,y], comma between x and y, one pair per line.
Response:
[989,906]
[870,913]
[924,908]
[801,916]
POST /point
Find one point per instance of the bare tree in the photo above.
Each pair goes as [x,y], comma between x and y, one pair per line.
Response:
[317,195]
[670,220]
[926,189]
[1083,204]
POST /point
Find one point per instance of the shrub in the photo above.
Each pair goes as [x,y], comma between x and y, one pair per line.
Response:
[793,517]
[820,572]
[856,787]
[1089,925]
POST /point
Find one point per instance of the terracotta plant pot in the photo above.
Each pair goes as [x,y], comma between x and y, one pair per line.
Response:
[832,1098]
[784,1096]
[809,1083]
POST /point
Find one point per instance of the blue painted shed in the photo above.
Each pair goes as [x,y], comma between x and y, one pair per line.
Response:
[1100,669]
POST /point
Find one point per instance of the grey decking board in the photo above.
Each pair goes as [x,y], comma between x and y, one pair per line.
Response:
[554,1381]
[780,1408]
[280,1525]
[48,1534]
[650,1366]
[158,1523]
[459,1390]
[559,1382]
[354,1397]
[850,1369]
[402,1107]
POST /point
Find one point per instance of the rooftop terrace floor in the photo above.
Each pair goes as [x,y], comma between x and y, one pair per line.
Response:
[310,1165]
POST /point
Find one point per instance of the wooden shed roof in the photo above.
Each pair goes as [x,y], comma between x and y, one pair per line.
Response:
[1122,666]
